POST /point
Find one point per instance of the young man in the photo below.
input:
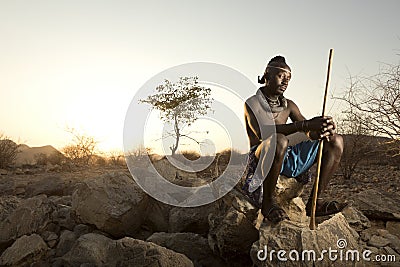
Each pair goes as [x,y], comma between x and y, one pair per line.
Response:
[262,111]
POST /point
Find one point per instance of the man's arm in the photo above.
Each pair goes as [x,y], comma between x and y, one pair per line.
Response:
[316,128]
[299,121]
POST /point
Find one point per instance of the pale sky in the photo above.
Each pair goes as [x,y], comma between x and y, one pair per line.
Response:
[79,63]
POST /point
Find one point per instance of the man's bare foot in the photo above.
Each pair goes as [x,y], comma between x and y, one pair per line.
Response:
[273,212]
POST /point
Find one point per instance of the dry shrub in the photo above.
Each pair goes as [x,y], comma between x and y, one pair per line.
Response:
[8,151]
[190,154]
[229,155]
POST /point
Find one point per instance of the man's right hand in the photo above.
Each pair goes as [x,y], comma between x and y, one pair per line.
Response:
[325,126]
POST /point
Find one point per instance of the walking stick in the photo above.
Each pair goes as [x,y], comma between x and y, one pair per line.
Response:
[321,145]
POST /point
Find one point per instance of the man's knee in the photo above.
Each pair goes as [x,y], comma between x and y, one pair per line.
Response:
[280,148]
[281,144]
[337,143]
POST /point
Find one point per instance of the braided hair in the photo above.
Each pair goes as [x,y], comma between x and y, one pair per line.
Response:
[277,62]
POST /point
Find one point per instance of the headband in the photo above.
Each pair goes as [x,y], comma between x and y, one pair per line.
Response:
[269,66]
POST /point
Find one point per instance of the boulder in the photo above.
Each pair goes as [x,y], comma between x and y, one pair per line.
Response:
[31,216]
[97,250]
[67,240]
[394,241]
[194,246]
[378,241]
[7,205]
[157,218]
[193,219]
[288,192]
[173,173]
[114,203]
[82,229]
[51,185]
[64,216]
[233,228]
[377,205]
[356,219]
[288,236]
[24,251]
[393,227]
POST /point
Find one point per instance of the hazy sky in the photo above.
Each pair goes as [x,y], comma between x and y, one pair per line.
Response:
[78,63]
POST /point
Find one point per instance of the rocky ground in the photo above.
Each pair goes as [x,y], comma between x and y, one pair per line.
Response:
[99,217]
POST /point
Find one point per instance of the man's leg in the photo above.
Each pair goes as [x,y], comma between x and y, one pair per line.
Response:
[332,152]
[264,153]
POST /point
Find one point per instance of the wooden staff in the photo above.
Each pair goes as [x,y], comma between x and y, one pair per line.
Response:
[321,146]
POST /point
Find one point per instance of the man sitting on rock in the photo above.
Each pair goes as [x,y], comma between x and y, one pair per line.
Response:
[268,107]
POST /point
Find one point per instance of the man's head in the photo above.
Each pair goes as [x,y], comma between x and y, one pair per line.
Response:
[275,65]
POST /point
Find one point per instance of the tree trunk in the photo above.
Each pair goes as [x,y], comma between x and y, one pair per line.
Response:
[177,133]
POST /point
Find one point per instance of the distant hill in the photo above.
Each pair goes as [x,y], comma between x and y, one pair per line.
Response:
[27,154]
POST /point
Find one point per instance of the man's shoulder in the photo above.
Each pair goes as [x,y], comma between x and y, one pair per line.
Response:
[290,103]
[252,99]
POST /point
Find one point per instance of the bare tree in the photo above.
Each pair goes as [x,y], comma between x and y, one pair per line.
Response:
[357,142]
[180,104]
[374,102]
[8,151]
[83,148]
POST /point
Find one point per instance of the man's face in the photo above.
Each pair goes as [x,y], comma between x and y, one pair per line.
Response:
[279,80]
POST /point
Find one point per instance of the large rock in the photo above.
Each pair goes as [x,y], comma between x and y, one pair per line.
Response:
[51,185]
[173,173]
[377,205]
[393,227]
[67,240]
[7,205]
[334,233]
[157,219]
[233,228]
[31,215]
[288,192]
[356,219]
[98,250]
[112,202]
[194,246]
[24,251]
[193,219]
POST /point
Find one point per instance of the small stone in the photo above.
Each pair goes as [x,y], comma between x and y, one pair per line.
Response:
[52,243]
[382,232]
[378,241]
[3,172]
[365,236]
[49,236]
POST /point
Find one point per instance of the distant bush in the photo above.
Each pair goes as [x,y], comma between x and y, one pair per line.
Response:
[190,154]
[82,150]
[100,161]
[8,151]
[41,159]
[56,158]
[116,158]
[229,155]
